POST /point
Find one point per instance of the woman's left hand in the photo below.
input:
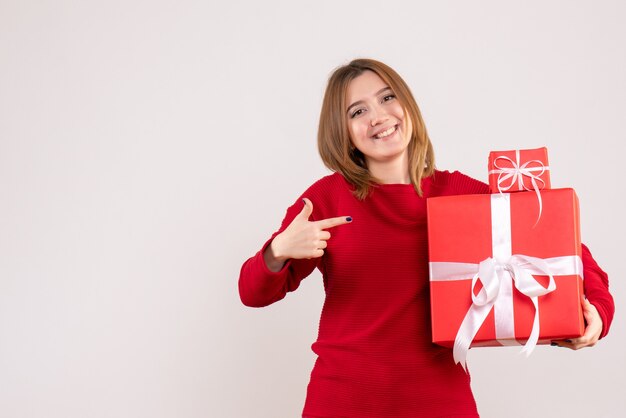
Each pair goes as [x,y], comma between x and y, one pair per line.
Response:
[592,332]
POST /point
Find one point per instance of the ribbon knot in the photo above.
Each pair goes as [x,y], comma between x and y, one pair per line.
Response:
[514,172]
[491,274]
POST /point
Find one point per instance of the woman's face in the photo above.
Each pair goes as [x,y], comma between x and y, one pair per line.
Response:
[376,119]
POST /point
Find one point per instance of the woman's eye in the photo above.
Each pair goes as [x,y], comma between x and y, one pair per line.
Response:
[356,113]
[389,97]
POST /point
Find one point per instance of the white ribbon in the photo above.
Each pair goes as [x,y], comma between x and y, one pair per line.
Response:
[515,172]
[496,275]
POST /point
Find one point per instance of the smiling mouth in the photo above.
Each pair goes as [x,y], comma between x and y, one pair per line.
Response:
[386,133]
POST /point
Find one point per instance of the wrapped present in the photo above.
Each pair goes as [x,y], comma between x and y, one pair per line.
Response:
[519,170]
[498,277]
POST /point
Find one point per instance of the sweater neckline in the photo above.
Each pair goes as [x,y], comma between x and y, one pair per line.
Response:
[402,185]
[426,181]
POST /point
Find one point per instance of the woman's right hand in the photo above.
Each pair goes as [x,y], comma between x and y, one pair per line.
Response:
[302,238]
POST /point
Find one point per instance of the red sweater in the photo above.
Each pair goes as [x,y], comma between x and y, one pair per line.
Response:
[375,355]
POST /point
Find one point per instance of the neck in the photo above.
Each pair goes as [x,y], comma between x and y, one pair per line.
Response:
[391,172]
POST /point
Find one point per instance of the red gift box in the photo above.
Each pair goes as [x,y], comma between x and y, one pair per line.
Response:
[519,170]
[499,236]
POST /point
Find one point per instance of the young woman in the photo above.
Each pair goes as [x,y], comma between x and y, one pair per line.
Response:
[364,228]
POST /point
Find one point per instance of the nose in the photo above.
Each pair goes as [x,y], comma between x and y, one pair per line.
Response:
[377,115]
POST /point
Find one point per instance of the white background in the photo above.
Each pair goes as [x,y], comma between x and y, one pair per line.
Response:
[147,148]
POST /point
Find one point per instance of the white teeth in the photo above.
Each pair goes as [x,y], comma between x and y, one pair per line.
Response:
[386,133]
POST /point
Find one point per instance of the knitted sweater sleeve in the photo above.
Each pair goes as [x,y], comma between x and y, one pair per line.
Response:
[596,285]
[463,184]
[596,282]
[258,285]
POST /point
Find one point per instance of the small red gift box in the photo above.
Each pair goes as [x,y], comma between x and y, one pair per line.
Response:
[500,277]
[519,170]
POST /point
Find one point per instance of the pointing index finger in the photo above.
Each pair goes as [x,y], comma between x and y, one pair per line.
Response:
[330,222]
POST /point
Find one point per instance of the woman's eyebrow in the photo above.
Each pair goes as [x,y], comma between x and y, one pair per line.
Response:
[358,102]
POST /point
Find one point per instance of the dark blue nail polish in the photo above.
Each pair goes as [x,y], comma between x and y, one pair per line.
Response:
[568,341]
[553,344]
[349,219]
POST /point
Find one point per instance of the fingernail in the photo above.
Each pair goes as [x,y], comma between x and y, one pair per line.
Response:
[349,219]
[304,201]
[568,341]
[553,344]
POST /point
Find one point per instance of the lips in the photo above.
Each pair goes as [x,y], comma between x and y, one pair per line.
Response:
[386,133]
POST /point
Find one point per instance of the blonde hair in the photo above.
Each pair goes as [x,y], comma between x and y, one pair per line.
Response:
[333,138]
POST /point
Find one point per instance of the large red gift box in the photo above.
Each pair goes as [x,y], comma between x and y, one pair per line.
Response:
[500,234]
[519,170]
